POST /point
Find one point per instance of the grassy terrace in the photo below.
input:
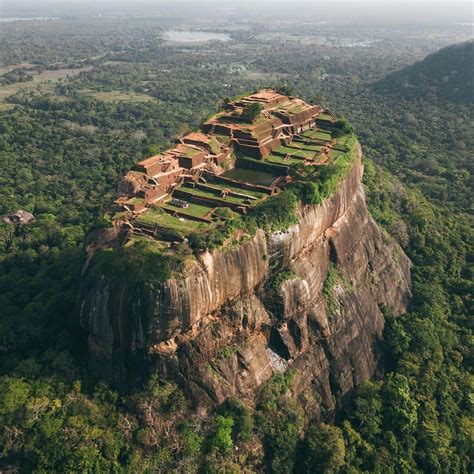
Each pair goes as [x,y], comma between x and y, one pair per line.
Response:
[285,158]
[300,160]
[285,149]
[211,195]
[305,154]
[345,142]
[282,160]
[195,210]
[190,152]
[225,139]
[318,135]
[313,145]
[226,118]
[136,200]
[235,189]
[159,217]
[251,176]
[214,145]
[310,147]
[296,151]
[291,108]
[335,154]
[326,118]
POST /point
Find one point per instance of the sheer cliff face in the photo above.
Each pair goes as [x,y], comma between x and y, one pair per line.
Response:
[223,327]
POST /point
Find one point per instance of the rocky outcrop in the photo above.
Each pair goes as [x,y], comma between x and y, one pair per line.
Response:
[223,327]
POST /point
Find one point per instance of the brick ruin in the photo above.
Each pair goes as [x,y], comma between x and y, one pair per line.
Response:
[282,118]
[190,178]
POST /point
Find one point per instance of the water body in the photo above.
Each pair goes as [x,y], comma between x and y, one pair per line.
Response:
[361,44]
[188,36]
[250,176]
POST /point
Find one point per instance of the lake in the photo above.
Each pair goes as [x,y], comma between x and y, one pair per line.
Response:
[188,36]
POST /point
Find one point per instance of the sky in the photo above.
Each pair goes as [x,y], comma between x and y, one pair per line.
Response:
[313,2]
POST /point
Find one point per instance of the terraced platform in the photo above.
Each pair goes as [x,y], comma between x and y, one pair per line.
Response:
[231,166]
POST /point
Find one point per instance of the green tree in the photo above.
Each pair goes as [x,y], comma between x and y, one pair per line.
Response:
[252,111]
[400,408]
[221,439]
[323,449]
[367,413]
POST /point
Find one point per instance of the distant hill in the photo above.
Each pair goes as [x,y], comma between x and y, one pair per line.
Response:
[447,74]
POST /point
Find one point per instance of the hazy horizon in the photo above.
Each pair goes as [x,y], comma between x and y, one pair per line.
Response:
[382,11]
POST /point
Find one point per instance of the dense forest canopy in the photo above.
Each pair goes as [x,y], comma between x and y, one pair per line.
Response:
[101,94]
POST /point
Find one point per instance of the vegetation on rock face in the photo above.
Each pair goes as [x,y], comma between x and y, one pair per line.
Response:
[328,289]
[282,277]
[140,262]
[277,213]
[343,127]
[314,184]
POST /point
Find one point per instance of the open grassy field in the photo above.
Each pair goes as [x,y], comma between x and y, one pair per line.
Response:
[44,81]
[119,96]
[10,67]
[10,89]
[4,106]
[55,74]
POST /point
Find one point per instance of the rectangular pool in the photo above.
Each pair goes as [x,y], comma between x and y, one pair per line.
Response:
[250,176]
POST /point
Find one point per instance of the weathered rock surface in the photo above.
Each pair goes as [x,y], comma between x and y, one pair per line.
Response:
[221,328]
